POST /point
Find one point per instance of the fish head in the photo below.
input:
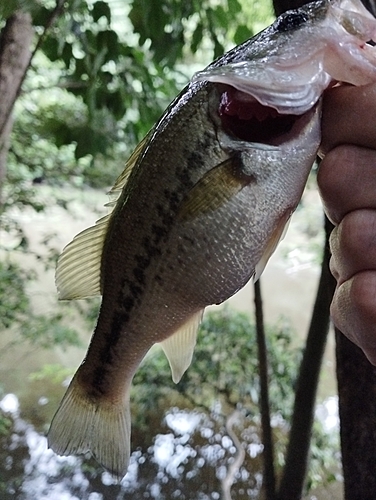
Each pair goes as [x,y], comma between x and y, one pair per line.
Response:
[265,100]
[289,65]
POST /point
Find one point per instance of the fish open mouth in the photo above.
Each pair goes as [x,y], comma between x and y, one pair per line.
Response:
[247,119]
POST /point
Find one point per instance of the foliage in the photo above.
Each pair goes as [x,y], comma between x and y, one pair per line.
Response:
[324,456]
[55,373]
[5,424]
[184,26]
[225,363]
[224,372]
[104,74]
[17,315]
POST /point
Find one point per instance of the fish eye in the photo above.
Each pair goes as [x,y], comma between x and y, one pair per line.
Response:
[291,20]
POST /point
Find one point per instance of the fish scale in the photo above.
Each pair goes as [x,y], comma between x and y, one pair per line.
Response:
[199,209]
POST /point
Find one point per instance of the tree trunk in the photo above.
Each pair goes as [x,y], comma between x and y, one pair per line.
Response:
[15,41]
[267,437]
[357,410]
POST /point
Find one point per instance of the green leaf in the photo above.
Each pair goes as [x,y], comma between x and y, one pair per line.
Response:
[242,33]
[197,37]
[218,48]
[80,68]
[91,40]
[67,54]
[234,6]
[63,135]
[115,104]
[41,16]
[221,17]
[8,7]
[101,9]
[51,48]
[60,131]
[89,141]
[109,40]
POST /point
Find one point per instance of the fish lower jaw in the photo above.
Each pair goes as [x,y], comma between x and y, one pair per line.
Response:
[304,124]
[246,119]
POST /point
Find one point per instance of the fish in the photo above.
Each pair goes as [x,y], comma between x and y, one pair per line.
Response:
[199,209]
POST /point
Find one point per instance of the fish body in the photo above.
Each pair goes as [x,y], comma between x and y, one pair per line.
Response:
[199,209]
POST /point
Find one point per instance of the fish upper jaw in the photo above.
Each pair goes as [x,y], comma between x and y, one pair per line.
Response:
[354,17]
[303,60]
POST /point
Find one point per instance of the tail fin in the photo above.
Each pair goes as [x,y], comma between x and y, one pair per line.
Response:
[82,424]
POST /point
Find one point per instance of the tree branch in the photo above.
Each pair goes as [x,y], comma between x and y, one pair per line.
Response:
[294,473]
[267,439]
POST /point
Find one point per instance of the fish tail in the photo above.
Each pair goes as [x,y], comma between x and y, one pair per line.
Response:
[84,424]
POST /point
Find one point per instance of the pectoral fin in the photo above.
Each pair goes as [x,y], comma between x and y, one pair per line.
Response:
[180,346]
[277,236]
[216,187]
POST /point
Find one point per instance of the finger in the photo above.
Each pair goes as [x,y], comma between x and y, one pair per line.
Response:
[353,311]
[343,119]
[347,181]
[353,245]
[333,268]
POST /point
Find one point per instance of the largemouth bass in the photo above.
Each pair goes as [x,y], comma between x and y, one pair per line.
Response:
[199,209]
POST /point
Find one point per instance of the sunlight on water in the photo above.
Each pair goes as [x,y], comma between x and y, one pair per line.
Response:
[182,422]
[174,456]
[9,404]
[327,413]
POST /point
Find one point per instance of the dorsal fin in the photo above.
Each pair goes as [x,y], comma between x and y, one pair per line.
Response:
[180,346]
[122,180]
[78,272]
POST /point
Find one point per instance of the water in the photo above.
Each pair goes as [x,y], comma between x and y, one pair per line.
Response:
[188,459]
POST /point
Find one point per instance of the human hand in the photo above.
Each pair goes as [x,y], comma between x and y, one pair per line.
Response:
[347,183]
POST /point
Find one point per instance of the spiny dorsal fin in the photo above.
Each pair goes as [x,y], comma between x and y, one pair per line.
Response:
[216,188]
[122,180]
[78,272]
[277,236]
[180,346]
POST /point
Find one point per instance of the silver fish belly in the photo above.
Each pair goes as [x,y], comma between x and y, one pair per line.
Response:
[201,206]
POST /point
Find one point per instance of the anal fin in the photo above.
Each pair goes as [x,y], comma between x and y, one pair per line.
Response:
[180,346]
